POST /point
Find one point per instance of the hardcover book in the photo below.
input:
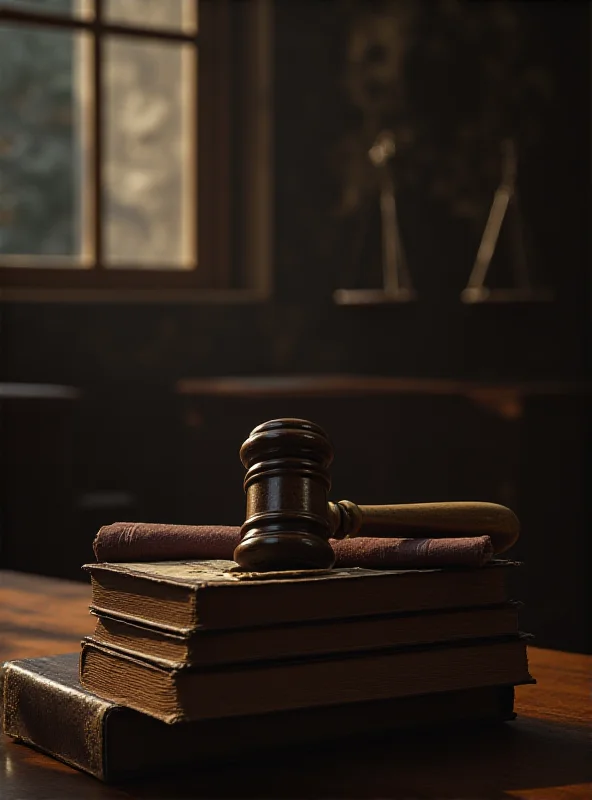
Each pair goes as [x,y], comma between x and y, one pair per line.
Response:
[186,694]
[202,647]
[215,594]
[45,706]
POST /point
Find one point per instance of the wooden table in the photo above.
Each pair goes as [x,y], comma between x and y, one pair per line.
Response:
[545,753]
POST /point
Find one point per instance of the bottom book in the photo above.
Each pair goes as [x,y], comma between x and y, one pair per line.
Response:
[45,706]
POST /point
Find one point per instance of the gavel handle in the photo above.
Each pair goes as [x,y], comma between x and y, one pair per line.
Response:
[434,520]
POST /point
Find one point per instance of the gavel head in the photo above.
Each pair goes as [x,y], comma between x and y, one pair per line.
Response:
[287,482]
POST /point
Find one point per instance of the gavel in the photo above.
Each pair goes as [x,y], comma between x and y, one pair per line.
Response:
[289,519]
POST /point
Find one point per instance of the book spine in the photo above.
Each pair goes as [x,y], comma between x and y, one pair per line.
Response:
[45,707]
[187,695]
[67,725]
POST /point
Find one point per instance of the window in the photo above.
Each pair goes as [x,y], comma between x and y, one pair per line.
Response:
[121,172]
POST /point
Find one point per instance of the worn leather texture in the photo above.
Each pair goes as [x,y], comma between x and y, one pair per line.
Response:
[206,648]
[216,595]
[45,707]
[139,541]
[374,553]
[188,695]
[142,541]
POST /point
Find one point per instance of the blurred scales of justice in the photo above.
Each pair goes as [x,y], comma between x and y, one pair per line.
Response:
[397,285]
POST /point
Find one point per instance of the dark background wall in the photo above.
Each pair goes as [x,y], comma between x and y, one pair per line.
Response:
[133,435]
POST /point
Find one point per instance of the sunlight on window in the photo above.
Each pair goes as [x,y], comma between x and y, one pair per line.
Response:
[149,173]
[42,143]
[148,216]
[78,8]
[174,14]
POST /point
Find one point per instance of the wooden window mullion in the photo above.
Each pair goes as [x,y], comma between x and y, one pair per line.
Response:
[97,136]
[212,163]
[213,150]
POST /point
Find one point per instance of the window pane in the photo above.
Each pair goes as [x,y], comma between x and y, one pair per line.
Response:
[76,7]
[175,14]
[42,81]
[149,173]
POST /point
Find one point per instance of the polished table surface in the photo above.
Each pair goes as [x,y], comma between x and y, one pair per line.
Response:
[545,753]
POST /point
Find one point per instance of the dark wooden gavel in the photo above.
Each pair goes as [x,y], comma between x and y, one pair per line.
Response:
[289,519]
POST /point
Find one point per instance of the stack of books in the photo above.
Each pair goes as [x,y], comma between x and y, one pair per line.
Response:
[200,659]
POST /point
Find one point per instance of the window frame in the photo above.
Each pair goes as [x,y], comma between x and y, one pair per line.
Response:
[220,76]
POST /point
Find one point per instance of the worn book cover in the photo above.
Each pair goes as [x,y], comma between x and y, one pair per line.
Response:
[203,647]
[216,594]
[45,706]
[187,694]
